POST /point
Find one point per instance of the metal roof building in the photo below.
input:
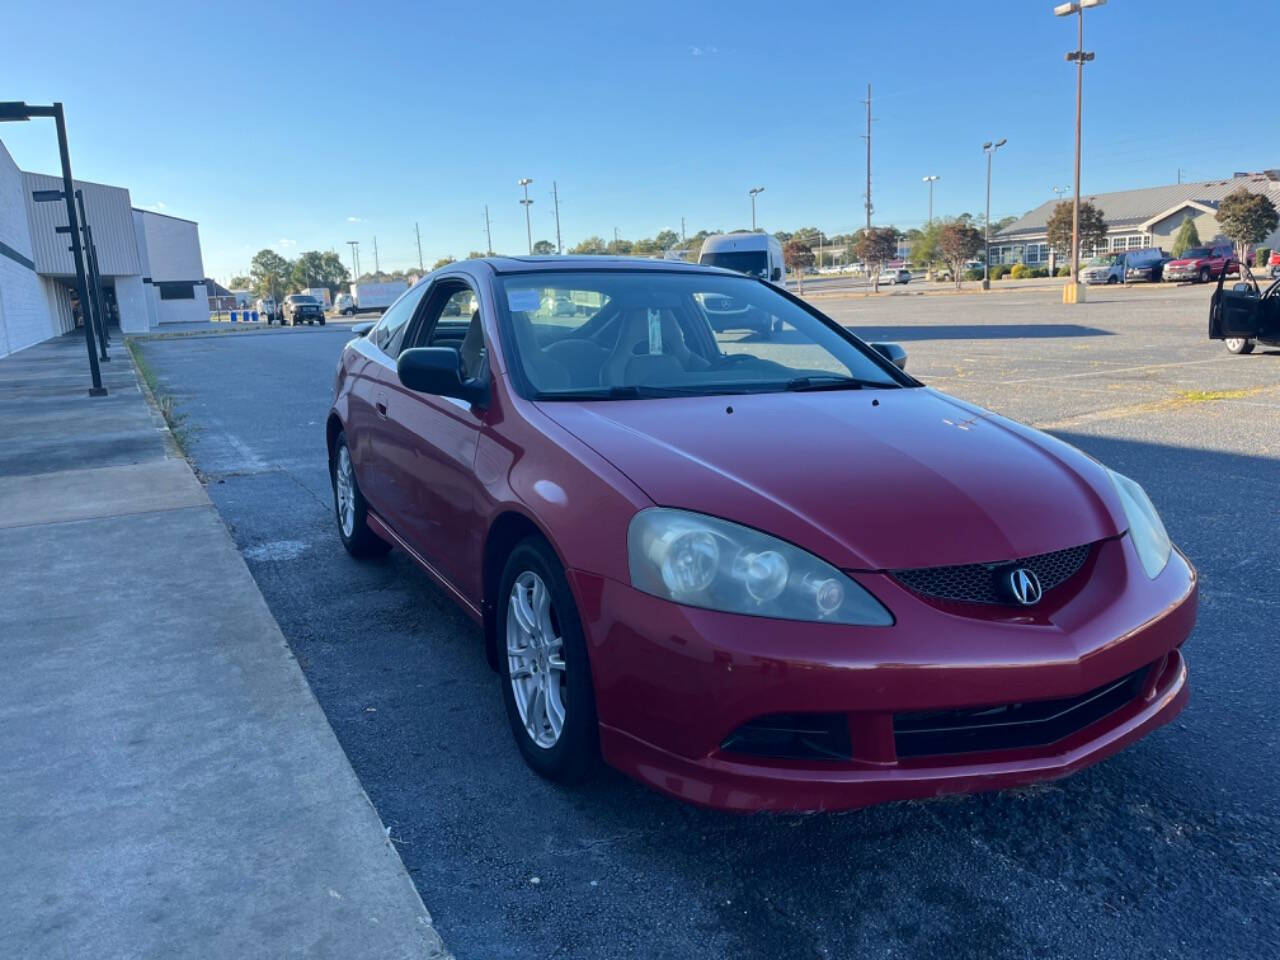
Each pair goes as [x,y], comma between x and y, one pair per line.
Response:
[1149,217]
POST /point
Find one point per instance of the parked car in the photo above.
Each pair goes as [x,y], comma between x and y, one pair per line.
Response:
[1146,264]
[1107,268]
[754,254]
[267,309]
[299,308]
[1201,264]
[1273,264]
[752,579]
[344,305]
[899,276]
[1245,315]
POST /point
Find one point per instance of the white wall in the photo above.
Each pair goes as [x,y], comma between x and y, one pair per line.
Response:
[24,310]
[132,296]
[109,213]
[170,253]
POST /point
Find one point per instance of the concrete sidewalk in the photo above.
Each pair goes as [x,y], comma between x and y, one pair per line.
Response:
[170,786]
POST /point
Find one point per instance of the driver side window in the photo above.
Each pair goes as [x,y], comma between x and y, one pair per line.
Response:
[388,335]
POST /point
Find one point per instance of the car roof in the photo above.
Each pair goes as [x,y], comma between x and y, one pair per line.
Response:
[565,264]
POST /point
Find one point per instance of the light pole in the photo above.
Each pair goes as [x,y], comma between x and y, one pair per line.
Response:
[989,149]
[754,191]
[19,111]
[1074,293]
[526,202]
[929,180]
[355,260]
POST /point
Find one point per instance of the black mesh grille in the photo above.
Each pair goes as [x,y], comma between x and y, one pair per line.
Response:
[977,582]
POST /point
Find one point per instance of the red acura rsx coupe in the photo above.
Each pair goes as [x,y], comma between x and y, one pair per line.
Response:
[753,573]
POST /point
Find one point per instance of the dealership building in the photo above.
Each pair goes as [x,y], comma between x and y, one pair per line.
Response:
[151,267]
[1137,218]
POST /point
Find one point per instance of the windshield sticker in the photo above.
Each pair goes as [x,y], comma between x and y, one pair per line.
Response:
[655,332]
[524,300]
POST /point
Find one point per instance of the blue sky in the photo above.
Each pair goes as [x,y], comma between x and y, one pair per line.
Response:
[300,126]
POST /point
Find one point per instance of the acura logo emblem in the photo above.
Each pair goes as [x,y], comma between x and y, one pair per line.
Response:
[1023,586]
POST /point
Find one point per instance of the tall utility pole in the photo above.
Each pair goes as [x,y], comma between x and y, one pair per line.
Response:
[555,195]
[868,139]
[989,149]
[754,191]
[526,202]
[1080,57]
[355,260]
[682,238]
[418,233]
[615,241]
[488,235]
[376,269]
[929,180]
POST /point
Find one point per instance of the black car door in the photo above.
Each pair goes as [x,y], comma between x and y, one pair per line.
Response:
[1235,312]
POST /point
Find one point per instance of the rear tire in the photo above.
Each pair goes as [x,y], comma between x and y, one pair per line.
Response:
[350,507]
[1238,345]
[542,659]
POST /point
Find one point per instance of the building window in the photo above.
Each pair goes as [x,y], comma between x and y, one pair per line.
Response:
[177,291]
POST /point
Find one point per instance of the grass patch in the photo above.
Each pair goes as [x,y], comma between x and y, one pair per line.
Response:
[1208,396]
[176,422]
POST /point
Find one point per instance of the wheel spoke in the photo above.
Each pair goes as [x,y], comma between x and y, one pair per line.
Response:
[522,611]
[554,709]
[537,714]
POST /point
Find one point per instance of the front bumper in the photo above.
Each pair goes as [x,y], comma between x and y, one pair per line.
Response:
[1182,273]
[673,683]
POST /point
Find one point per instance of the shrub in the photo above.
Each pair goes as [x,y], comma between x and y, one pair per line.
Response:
[1064,271]
[998,271]
[1261,256]
[1020,271]
[973,274]
[1040,272]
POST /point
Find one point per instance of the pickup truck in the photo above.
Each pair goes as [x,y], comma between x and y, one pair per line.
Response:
[1201,264]
[299,308]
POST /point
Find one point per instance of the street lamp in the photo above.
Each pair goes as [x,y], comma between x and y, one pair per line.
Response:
[19,111]
[526,202]
[989,149]
[753,191]
[929,180]
[1074,293]
[93,312]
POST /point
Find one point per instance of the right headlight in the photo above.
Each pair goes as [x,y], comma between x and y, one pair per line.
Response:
[703,561]
[1145,529]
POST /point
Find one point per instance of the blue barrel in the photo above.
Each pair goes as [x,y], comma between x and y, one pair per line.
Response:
[233,316]
[255,316]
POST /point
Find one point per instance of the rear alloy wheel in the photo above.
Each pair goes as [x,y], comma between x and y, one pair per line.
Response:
[1205,276]
[350,508]
[546,677]
[1239,345]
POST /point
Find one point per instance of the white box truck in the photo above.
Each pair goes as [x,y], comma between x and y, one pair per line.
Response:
[376,296]
[320,293]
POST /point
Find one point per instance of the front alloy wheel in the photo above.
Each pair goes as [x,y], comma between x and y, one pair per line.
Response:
[546,677]
[1239,345]
[350,508]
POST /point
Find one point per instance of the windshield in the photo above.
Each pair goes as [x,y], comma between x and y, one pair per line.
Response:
[751,262]
[623,335]
[1106,261]
[1195,253]
[303,300]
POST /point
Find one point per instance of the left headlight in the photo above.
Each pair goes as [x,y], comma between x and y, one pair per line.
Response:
[703,561]
[1145,529]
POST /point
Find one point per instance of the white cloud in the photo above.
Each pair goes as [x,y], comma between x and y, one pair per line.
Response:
[355,219]
[286,242]
[704,51]
[157,206]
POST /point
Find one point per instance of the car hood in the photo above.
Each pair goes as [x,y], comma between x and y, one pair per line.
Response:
[870,479]
[1185,262]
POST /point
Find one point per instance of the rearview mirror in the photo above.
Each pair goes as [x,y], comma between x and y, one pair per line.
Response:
[438,371]
[892,352]
[361,329]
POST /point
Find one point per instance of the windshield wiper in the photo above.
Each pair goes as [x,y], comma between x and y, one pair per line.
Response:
[630,392]
[808,384]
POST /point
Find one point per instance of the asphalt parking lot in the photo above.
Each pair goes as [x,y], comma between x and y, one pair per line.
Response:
[1170,849]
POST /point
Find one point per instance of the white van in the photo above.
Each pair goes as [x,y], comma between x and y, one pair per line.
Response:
[755,254]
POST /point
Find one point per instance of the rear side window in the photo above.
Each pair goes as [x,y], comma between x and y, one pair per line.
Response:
[388,335]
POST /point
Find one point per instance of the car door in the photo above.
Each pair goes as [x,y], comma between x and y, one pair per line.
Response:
[374,377]
[435,439]
[1235,311]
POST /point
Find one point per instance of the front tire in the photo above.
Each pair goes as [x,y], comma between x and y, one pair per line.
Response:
[350,507]
[1205,276]
[542,656]
[1238,345]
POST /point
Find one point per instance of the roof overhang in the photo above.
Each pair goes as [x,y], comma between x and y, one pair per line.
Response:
[1193,204]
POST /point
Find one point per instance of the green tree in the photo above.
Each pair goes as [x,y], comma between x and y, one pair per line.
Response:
[620,247]
[924,246]
[798,256]
[873,247]
[270,273]
[316,269]
[442,262]
[1093,227]
[476,255]
[592,244]
[240,283]
[957,243]
[1247,218]
[666,239]
[1187,237]
[543,247]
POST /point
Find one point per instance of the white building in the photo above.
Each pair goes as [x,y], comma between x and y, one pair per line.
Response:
[151,267]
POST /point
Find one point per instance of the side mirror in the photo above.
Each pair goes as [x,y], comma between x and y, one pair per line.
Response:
[438,371]
[1242,288]
[892,352]
[361,329]
[776,275]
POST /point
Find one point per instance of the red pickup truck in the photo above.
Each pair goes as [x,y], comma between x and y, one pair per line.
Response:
[1201,264]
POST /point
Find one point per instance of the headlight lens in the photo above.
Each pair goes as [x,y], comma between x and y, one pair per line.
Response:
[1145,529]
[702,561]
